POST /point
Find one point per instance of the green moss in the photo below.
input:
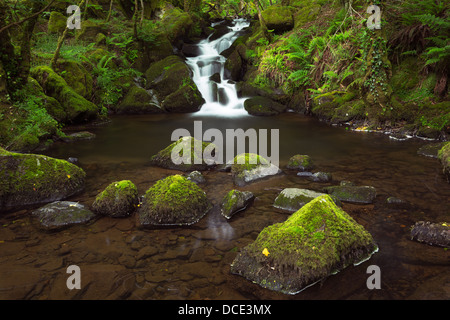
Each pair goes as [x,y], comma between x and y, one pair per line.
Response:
[300,162]
[28,179]
[177,24]
[247,162]
[119,199]
[57,22]
[312,243]
[76,107]
[444,157]
[279,18]
[76,76]
[173,200]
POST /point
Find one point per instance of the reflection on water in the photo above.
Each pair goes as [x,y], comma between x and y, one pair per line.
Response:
[120,261]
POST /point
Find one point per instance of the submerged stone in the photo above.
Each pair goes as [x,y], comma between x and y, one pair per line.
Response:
[196,176]
[119,199]
[250,167]
[353,194]
[62,214]
[27,179]
[316,241]
[173,201]
[292,199]
[444,158]
[187,157]
[235,201]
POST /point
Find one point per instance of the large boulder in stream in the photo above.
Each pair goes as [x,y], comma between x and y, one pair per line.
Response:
[171,80]
[186,154]
[315,242]
[138,101]
[28,179]
[250,167]
[174,200]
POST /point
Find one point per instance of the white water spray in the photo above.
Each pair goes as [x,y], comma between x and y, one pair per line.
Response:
[221,96]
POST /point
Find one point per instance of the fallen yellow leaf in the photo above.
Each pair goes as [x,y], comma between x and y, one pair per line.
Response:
[265,252]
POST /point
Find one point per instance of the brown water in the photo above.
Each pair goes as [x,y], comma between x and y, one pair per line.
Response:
[120,261]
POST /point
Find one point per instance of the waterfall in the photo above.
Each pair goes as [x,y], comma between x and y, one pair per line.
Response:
[209,75]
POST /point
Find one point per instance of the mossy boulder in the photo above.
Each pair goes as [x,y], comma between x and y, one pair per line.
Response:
[262,106]
[90,29]
[150,52]
[292,199]
[177,24]
[119,199]
[352,193]
[279,18]
[76,76]
[173,201]
[27,179]
[171,79]
[76,108]
[250,167]
[57,22]
[444,158]
[315,242]
[186,154]
[138,101]
[60,215]
[300,162]
[235,201]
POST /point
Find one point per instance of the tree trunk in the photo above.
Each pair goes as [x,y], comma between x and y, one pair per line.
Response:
[110,11]
[262,22]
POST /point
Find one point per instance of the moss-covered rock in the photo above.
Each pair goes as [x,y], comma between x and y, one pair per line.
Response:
[292,199]
[353,194]
[153,51]
[189,154]
[177,24]
[173,201]
[138,101]
[57,22]
[301,162]
[90,29]
[171,79]
[262,106]
[250,167]
[316,241]
[76,76]
[60,215]
[235,201]
[27,179]
[119,199]
[444,158]
[279,18]
[77,108]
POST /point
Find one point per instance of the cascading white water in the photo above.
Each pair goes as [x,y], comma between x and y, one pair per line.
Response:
[220,95]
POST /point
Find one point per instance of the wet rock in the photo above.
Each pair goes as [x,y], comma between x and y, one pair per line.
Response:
[279,18]
[189,156]
[77,136]
[27,179]
[190,50]
[119,199]
[262,106]
[431,149]
[196,176]
[434,234]
[62,214]
[353,194]
[234,202]
[300,162]
[292,199]
[139,101]
[321,177]
[313,243]
[250,167]
[173,201]
[444,158]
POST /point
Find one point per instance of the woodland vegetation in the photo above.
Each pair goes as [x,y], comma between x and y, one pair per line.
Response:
[318,57]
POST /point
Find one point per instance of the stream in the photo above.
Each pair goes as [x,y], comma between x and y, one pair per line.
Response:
[120,261]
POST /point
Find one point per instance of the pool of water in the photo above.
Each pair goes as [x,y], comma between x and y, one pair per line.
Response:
[120,261]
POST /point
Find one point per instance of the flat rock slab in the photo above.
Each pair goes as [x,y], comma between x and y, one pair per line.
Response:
[62,214]
[353,194]
[292,199]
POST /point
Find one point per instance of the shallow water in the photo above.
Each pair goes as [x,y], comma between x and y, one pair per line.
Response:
[120,261]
